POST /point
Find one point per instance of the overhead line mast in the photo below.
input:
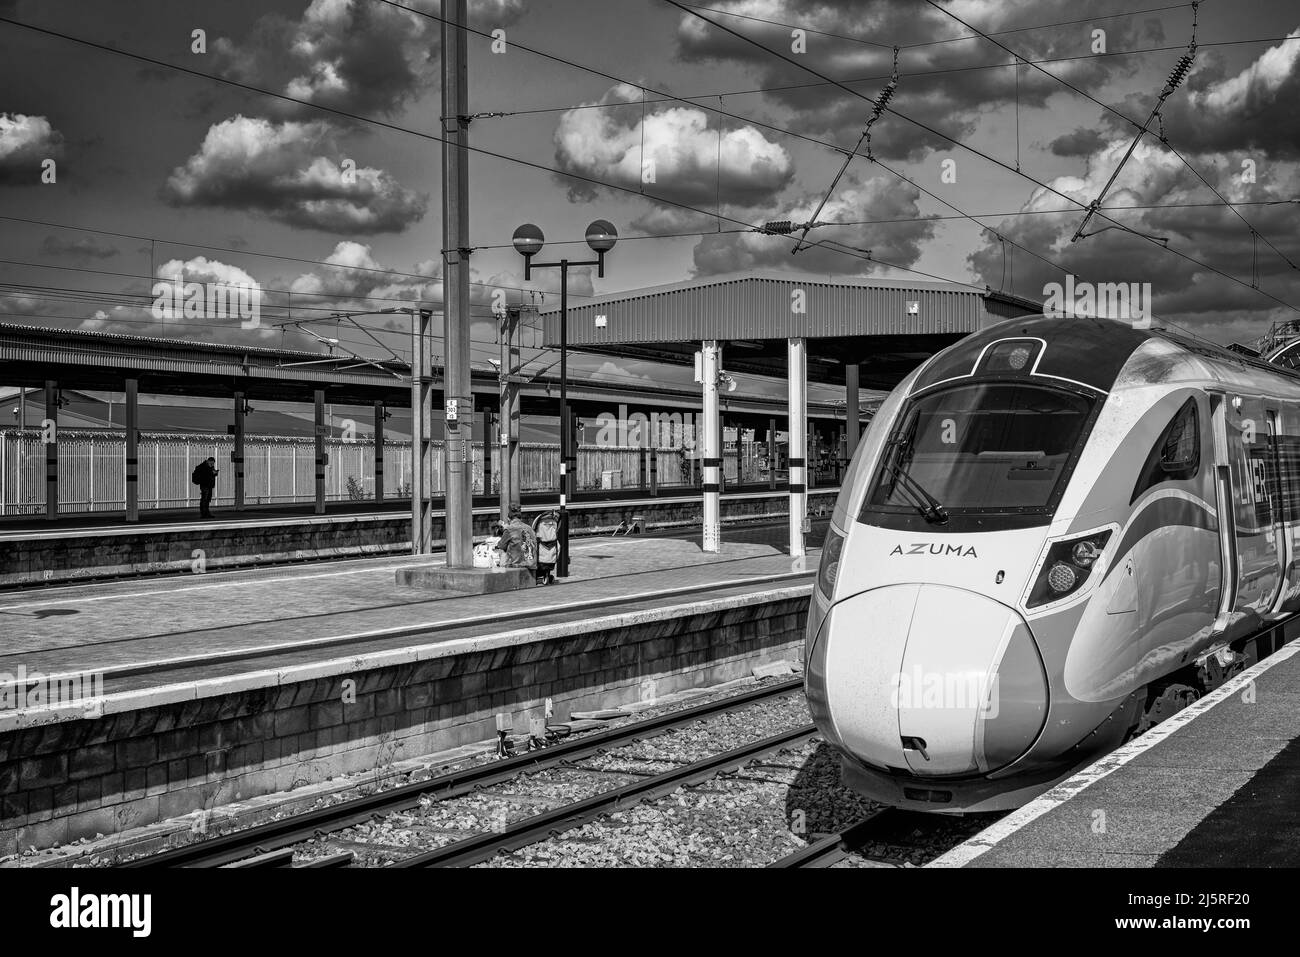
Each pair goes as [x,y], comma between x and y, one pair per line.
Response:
[1176,77]
[457,394]
[877,108]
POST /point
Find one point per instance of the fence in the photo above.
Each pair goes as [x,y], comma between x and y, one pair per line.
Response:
[92,469]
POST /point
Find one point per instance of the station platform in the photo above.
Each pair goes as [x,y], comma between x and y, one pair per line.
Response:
[1214,785]
[88,546]
[195,688]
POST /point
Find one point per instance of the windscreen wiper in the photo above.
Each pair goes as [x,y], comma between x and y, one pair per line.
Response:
[931,508]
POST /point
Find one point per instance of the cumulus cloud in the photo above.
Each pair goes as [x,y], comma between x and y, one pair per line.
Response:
[202,269]
[98,322]
[1254,109]
[354,55]
[353,278]
[1080,142]
[293,172]
[33,307]
[623,374]
[856,200]
[176,293]
[678,146]
[26,141]
[950,99]
[1183,291]
[353,273]
[23,303]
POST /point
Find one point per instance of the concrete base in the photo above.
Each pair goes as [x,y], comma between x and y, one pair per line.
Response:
[466,581]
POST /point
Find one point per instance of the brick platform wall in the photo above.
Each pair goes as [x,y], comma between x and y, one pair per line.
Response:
[146,551]
[72,779]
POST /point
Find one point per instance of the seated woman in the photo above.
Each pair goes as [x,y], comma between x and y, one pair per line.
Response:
[518,543]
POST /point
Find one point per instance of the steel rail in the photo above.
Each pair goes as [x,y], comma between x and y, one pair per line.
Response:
[835,847]
[538,827]
[264,838]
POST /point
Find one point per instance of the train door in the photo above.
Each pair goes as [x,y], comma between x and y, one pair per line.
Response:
[1284,453]
[1278,496]
[1223,507]
[1252,462]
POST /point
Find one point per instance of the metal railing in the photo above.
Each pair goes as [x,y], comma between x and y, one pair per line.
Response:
[92,469]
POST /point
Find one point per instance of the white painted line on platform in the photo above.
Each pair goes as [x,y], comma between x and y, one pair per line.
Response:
[991,836]
[443,625]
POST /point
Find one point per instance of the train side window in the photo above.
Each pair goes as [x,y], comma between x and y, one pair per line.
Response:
[1177,453]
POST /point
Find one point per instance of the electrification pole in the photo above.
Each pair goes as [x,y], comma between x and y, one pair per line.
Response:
[457,393]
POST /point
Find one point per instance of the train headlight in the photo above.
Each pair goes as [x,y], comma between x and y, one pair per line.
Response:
[1068,566]
[1084,553]
[830,563]
[1061,578]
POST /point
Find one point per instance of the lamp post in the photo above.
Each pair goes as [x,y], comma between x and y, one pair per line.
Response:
[528,240]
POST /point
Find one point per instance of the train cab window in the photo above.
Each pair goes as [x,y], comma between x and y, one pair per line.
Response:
[1176,455]
[976,451]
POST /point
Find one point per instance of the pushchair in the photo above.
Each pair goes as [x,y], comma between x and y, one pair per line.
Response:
[547,528]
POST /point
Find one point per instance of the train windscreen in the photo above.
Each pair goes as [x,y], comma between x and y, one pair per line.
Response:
[980,450]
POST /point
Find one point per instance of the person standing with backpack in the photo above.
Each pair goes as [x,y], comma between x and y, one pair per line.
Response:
[517,544]
[205,477]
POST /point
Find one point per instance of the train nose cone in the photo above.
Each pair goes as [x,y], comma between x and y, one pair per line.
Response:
[930,679]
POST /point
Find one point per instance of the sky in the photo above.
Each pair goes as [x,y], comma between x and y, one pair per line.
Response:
[318,177]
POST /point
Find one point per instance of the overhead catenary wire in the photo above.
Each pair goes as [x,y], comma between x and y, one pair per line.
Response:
[1176,77]
[381,123]
[252,252]
[826,81]
[878,107]
[856,93]
[925,43]
[992,159]
[691,98]
[535,165]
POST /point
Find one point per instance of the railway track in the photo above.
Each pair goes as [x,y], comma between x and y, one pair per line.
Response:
[475,850]
[264,839]
[596,799]
[833,848]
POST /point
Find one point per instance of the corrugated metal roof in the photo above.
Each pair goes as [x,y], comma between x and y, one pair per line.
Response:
[42,344]
[775,306]
[152,343]
[205,363]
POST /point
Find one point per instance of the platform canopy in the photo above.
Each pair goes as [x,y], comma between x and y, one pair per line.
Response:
[885,326]
[91,361]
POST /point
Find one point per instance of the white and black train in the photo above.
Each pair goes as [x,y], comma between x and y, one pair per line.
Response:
[1054,533]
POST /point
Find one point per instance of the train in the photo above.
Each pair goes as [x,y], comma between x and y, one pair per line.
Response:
[1054,534]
